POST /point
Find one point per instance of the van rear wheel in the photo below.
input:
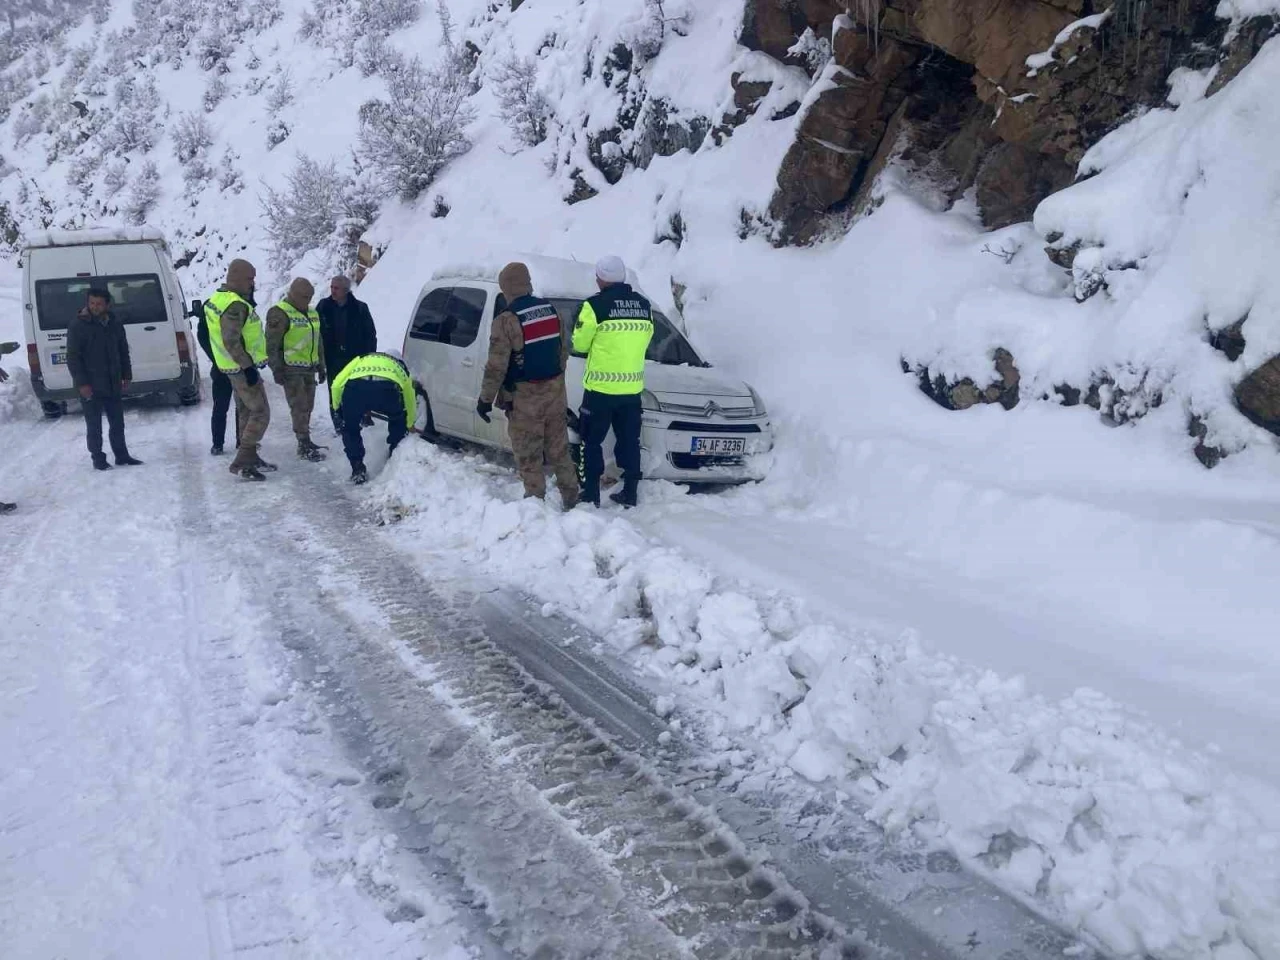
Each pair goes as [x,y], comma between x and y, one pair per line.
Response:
[54,409]
[191,399]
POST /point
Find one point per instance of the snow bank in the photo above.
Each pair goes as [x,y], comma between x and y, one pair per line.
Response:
[17,402]
[1077,805]
[1170,219]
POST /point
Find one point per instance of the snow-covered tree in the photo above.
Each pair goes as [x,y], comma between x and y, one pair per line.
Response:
[135,125]
[144,194]
[116,177]
[230,179]
[82,169]
[303,216]
[388,16]
[521,104]
[420,128]
[192,137]
[281,92]
[277,133]
[214,93]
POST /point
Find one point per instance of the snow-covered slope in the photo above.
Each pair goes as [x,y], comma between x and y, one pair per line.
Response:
[1029,543]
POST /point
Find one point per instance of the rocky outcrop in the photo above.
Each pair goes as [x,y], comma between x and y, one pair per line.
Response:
[965,393]
[1258,396]
[1012,132]
[1230,340]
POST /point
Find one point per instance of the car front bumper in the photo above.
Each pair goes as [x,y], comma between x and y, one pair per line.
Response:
[667,443]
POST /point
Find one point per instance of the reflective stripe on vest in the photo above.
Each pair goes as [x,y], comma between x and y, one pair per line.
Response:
[252,335]
[302,339]
[619,325]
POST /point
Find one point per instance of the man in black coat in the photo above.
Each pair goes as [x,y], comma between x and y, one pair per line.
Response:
[98,358]
[346,331]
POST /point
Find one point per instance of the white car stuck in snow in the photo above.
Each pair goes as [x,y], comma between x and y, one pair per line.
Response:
[700,426]
[133,264]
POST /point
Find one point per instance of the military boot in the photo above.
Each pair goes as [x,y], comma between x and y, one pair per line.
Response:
[310,451]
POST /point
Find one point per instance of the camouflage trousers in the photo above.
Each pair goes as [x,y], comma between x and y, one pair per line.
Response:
[539,431]
[300,391]
[254,414]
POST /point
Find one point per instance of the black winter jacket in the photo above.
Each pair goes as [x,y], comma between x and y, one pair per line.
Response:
[346,332]
[98,354]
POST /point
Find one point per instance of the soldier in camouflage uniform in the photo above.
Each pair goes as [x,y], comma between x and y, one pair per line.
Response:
[528,349]
[296,357]
[239,349]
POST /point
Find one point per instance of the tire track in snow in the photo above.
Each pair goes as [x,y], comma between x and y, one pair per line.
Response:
[463,720]
[280,853]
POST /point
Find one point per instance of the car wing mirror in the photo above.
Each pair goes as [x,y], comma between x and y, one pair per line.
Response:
[197,309]
[8,346]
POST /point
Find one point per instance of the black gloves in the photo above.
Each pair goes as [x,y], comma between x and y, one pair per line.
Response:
[483,407]
[251,376]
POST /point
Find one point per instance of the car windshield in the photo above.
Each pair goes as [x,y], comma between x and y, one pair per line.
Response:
[668,345]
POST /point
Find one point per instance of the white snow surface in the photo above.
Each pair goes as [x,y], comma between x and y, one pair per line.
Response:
[167,788]
[1045,645]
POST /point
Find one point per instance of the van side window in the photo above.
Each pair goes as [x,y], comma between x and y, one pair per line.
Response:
[466,308]
[135,299]
[430,315]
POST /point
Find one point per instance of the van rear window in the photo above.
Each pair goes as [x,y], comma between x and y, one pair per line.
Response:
[135,298]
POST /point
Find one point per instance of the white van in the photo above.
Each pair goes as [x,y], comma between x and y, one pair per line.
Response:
[133,263]
[700,426]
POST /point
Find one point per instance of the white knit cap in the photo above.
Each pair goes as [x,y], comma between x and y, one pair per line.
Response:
[611,270]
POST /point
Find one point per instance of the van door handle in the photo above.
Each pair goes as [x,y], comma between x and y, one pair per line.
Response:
[468,362]
[148,328]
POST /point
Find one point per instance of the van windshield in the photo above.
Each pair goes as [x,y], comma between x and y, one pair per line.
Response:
[668,345]
[135,298]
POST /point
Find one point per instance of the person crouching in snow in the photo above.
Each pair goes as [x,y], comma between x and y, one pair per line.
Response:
[296,358]
[528,349]
[375,383]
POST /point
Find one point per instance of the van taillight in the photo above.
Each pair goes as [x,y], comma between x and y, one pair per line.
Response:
[33,361]
[184,355]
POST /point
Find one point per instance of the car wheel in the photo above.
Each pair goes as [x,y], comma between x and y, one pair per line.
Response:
[53,409]
[189,399]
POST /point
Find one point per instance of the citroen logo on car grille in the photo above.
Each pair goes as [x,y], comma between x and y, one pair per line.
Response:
[712,408]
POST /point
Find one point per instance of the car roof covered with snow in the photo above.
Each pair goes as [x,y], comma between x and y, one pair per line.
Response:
[75,238]
[552,276]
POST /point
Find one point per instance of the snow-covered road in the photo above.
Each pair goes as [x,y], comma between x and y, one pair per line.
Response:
[239,722]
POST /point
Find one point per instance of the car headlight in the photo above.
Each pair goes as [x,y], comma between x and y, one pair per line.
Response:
[649,402]
[760,410]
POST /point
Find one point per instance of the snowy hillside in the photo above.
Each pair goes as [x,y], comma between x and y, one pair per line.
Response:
[1020,635]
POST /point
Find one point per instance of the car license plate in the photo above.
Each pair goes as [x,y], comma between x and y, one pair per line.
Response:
[57,358]
[718,446]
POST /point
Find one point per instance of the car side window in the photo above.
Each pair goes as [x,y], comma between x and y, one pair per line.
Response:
[569,310]
[462,324]
[430,315]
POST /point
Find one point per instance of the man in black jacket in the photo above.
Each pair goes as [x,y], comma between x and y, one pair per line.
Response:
[222,393]
[346,332]
[98,358]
